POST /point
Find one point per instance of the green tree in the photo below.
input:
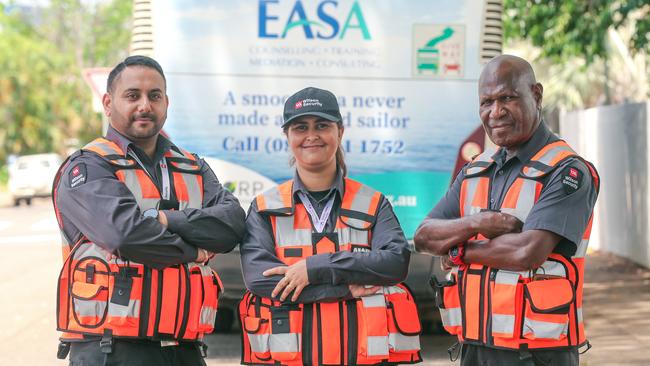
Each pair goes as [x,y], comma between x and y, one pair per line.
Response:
[576,28]
[43,98]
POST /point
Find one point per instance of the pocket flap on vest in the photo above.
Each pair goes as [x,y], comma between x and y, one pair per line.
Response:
[253,325]
[405,314]
[86,291]
[549,296]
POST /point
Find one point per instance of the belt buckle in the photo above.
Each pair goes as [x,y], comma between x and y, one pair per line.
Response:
[168,343]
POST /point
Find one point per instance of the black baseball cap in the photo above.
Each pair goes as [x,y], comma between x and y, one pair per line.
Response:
[312,102]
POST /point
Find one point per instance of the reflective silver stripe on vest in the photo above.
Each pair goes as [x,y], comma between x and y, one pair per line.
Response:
[451,317]
[259,342]
[374,301]
[581,251]
[208,315]
[348,235]
[552,268]
[579,311]
[393,290]
[89,307]
[285,342]
[273,199]
[506,277]
[401,342]
[547,330]
[194,190]
[377,345]
[91,250]
[362,200]
[525,201]
[546,159]
[123,311]
[286,235]
[470,193]
[504,324]
[133,184]
[485,157]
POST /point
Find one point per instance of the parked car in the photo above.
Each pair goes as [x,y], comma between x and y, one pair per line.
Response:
[31,176]
[421,268]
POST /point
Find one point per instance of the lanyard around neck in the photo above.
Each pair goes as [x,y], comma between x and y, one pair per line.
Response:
[165,192]
[318,221]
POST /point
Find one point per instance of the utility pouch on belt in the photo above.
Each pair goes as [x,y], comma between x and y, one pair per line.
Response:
[280,320]
[122,289]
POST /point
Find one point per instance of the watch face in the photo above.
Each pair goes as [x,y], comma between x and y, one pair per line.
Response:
[152,212]
[453,252]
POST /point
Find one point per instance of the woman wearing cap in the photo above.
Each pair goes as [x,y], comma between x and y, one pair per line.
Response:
[324,257]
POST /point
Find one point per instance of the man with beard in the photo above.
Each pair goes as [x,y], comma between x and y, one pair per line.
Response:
[140,218]
[514,228]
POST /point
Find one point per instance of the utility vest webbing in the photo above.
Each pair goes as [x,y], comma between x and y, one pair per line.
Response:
[383,327]
[100,293]
[540,309]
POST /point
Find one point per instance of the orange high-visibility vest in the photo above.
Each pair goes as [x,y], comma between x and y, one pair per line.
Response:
[538,309]
[381,328]
[100,293]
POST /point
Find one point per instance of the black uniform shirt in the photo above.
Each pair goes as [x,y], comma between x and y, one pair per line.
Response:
[103,209]
[559,209]
[329,274]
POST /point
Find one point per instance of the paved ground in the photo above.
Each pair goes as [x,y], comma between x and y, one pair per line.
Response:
[617,301]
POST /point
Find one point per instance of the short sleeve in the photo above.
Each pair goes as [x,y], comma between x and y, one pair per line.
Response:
[566,202]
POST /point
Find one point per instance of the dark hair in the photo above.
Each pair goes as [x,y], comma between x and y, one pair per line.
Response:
[340,158]
[137,60]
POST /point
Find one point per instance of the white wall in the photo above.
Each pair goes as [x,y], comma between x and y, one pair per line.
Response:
[616,140]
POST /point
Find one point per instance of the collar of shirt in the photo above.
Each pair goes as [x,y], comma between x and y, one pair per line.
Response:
[162,144]
[540,138]
[337,186]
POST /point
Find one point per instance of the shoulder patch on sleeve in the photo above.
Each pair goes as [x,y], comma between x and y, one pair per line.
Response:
[77,175]
[571,179]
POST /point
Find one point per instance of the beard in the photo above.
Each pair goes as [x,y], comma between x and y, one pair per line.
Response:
[149,131]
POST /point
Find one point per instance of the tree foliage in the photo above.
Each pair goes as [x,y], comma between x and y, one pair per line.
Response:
[576,28]
[43,98]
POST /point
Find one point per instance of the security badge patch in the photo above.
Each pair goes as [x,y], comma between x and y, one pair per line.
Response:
[571,179]
[77,175]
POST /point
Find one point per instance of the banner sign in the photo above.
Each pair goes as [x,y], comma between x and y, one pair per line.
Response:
[405,74]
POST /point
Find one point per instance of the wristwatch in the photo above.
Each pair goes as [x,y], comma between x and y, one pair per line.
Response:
[152,212]
[456,254]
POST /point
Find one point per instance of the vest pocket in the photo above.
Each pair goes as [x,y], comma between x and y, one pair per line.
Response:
[204,291]
[373,327]
[284,342]
[125,300]
[448,301]
[89,293]
[403,325]
[257,331]
[547,304]
[505,290]
[89,303]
